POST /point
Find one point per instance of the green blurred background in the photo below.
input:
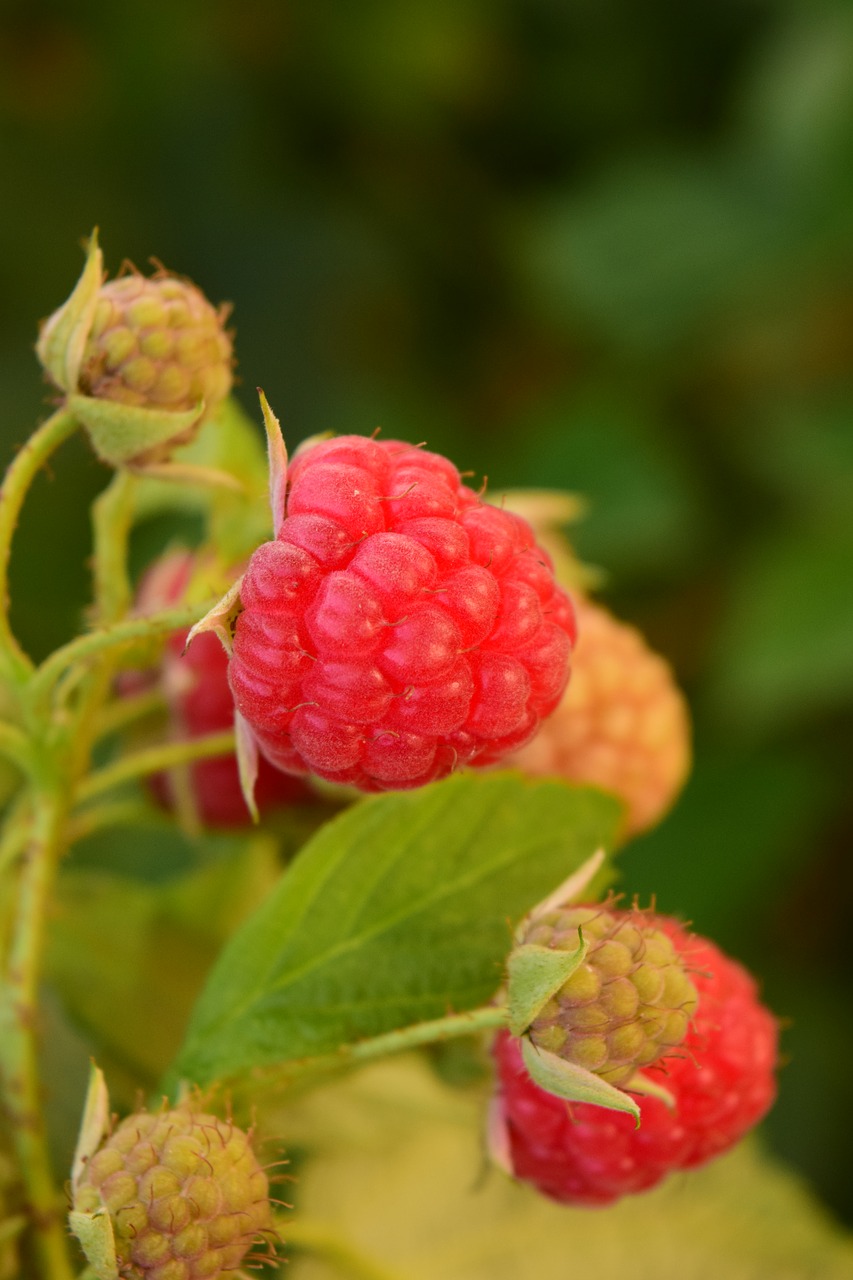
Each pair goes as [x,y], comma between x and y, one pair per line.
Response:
[590,244]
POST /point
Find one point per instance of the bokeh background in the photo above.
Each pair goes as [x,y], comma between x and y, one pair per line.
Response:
[589,244]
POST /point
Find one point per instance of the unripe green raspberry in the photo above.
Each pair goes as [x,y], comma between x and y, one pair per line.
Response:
[622,723]
[629,1002]
[156,343]
[185,1194]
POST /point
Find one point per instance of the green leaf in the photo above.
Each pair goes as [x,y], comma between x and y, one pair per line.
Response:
[534,975]
[129,956]
[394,1176]
[398,911]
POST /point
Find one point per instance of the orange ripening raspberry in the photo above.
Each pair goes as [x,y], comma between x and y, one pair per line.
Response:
[622,724]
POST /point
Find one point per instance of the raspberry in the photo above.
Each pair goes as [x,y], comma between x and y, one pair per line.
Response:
[722,1082]
[622,725]
[626,1005]
[156,343]
[398,626]
[195,684]
[185,1194]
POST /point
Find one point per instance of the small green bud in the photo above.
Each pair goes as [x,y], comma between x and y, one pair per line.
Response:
[143,361]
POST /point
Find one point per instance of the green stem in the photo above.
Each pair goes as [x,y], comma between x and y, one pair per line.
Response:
[487,1018]
[17,828]
[166,755]
[119,813]
[112,518]
[20,475]
[112,638]
[122,712]
[18,1046]
[15,746]
[324,1242]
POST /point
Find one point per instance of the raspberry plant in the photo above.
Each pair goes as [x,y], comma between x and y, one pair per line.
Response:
[385,629]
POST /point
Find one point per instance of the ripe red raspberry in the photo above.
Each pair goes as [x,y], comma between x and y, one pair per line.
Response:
[622,724]
[195,684]
[722,1081]
[186,1196]
[398,626]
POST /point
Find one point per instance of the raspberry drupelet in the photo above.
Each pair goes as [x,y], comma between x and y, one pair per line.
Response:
[721,1078]
[398,627]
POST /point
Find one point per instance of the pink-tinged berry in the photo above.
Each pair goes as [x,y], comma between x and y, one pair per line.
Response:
[622,725]
[398,627]
[186,1196]
[627,1004]
[722,1081]
[157,343]
[195,685]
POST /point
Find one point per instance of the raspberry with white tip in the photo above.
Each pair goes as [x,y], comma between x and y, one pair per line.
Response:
[722,1082]
[627,1004]
[622,725]
[398,627]
[186,1196]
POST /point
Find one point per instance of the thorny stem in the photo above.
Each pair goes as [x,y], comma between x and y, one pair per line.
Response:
[120,813]
[155,759]
[112,638]
[128,710]
[15,746]
[58,761]
[20,475]
[19,1066]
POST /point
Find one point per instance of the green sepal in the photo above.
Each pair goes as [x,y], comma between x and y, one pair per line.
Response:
[95,1233]
[125,433]
[575,1084]
[63,337]
[277,456]
[534,974]
[185,473]
[640,1083]
[247,762]
[569,890]
[93,1126]
[220,619]
[93,1230]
